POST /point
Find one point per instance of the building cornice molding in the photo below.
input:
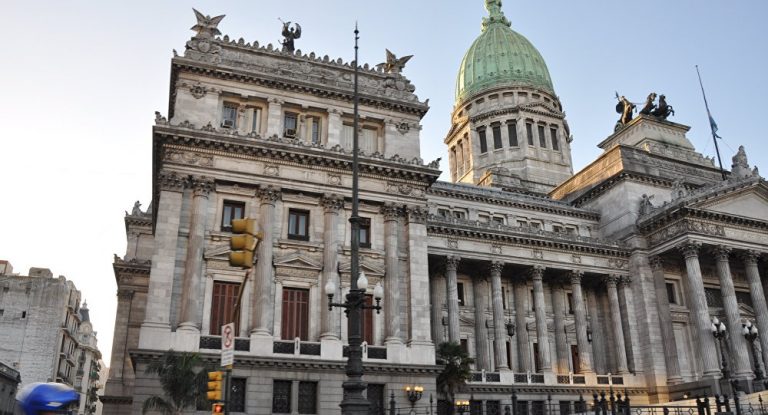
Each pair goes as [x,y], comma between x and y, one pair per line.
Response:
[514,200]
[291,151]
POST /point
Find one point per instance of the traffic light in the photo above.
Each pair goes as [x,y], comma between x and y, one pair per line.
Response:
[218,408]
[244,243]
[215,380]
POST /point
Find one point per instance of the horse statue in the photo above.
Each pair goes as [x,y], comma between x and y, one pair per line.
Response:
[663,110]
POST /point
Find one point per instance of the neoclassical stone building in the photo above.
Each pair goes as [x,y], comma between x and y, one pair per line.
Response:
[557,283]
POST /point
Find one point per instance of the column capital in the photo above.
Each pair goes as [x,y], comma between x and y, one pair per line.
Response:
[332,203]
[452,262]
[391,212]
[200,185]
[269,194]
[496,267]
[656,263]
[170,181]
[612,279]
[750,257]
[625,280]
[417,214]
[576,276]
[722,252]
[276,101]
[690,249]
[537,272]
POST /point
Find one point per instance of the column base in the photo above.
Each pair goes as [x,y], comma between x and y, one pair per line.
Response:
[674,380]
[396,352]
[422,352]
[331,348]
[186,338]
[155,336]
[261,343]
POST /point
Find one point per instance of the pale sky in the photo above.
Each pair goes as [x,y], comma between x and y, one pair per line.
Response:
[80,81]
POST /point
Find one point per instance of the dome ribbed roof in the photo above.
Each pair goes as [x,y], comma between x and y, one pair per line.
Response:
[500,56]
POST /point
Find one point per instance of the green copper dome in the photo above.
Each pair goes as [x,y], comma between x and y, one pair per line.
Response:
[500,56]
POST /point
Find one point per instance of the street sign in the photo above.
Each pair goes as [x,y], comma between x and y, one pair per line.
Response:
[228,344]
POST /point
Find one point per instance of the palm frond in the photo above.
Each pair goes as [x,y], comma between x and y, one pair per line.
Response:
[158,403]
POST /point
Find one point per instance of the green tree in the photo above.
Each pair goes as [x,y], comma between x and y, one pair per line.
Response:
[455,372]
[181,375]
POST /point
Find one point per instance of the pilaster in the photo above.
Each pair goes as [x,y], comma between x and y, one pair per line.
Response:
[275,117]
[264,299]
[393,323]
[330,323]
[419,337]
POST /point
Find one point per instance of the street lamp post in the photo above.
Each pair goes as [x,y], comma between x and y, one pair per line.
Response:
[414,394]
[750,333]
[353,402]
[719,330]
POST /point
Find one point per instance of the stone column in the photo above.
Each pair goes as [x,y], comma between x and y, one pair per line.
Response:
[191,305]
[629,322]
[264,299]
[275,118]
[700,312]
[665,321]
[499,325]
[758,299]
[738,344]
[156,328]
[521,331]
[598,338]
[480,290]
[451,265]
[418,284]
[392,279]
[330,320]
[561,344]
[618,332]
[542,334]
[436,301]
[120,344]
[580,319]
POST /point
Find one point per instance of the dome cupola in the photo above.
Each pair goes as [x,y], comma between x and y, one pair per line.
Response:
[500,57]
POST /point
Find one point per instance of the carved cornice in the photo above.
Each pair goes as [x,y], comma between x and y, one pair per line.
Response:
[209,141]
[508,199]
[512,235]
[332,203]
[537,108]
[269,194]
[452,263]
[690,249]
[170,181]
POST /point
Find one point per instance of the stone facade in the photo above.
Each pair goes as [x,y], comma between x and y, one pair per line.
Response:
[9,384]
[558,284]
[47,335]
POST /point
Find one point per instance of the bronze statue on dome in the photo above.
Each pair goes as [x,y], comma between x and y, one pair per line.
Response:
[626,109]
[290,34]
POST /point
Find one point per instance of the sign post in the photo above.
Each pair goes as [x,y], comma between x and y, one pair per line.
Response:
[227,358]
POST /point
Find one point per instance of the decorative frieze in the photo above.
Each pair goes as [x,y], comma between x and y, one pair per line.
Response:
[686,226]
[271,170]
[188,157]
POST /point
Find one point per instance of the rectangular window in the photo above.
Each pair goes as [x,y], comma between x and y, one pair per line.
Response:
[232,210]
[460,291]
[536,225]
[315,131]
[298,224]
[529,133]
[569,296]
[498,220]
[237,395]
[445,213]
[575,358]
[464,346]
[290,123]
[553,136]
[496,136]
[256,120]
[281,396]
[557,229]
[532,299]
[536,359]
[229,116]
[483,142]
[307,397]
[542,138]
[522,224]
[295,322]
[222,305]
[512,131]
[459,214]
[368,142]
[365,232]
[376,395]
[671,295]
[347,135]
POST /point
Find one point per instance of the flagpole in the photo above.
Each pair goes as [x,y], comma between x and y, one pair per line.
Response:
[712,125]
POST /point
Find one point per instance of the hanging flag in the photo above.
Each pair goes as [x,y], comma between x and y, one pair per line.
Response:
[713,125]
